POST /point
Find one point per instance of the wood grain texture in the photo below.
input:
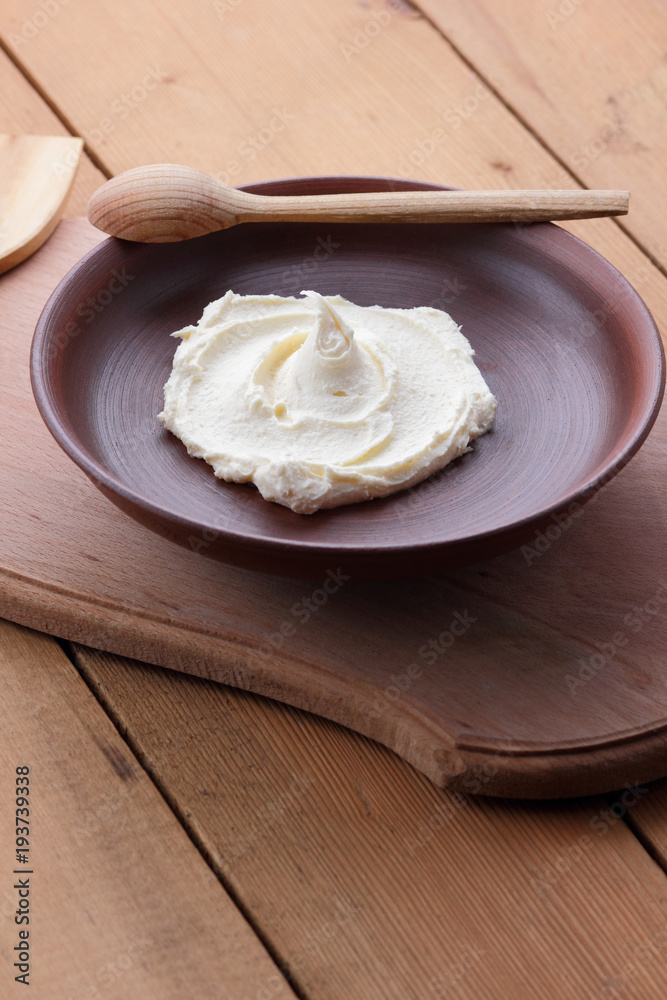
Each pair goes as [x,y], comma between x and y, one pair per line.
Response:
[36,176]
[532,659]
[368,881]
[397,92]
[364,99]
[346,89]
[382,110]
[23,112]
[295,93]
[589,78]
[122,904]
[649,821]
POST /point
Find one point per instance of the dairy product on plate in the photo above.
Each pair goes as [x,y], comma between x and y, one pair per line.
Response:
[320,402]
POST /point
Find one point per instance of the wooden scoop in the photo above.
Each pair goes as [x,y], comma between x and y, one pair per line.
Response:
[36,176]
[164,202]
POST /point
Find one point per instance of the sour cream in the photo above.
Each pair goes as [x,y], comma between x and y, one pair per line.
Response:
[320,402]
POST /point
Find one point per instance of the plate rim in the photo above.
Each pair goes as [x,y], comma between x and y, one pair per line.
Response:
[40,380]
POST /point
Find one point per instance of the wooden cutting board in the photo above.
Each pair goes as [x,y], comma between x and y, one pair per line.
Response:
[540,673]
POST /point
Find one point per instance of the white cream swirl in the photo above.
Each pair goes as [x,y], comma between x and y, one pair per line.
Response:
[321,402]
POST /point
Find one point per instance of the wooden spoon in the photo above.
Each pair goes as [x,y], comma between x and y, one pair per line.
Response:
[164,202]
[36,176]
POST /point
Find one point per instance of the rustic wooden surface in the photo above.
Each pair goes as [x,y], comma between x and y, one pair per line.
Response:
[363,656]
[370,99]
[23,112]
[141,906]
[589,78]
[450,895]
[448,717]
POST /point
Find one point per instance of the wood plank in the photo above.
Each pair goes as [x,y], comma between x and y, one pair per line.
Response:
[649,821]
[23,112]
[369,881]
[96,933]
[375,85]
[590,80]
[444,71]
[296,91]
[123,905]
[357,120]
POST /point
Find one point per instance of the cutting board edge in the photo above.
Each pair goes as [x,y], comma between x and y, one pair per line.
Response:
[585,771]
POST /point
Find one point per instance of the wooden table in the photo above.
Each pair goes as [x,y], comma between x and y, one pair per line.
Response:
[195,841]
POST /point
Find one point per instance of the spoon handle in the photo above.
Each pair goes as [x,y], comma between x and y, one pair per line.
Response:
[435,206]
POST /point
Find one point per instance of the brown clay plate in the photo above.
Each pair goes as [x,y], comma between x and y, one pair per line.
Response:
[566,345]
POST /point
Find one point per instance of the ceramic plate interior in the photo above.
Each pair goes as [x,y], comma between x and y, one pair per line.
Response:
[566,346]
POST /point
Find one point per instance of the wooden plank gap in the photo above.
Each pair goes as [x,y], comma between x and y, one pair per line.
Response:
[644,838]
[525,123]
[71,651]
[60,115]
